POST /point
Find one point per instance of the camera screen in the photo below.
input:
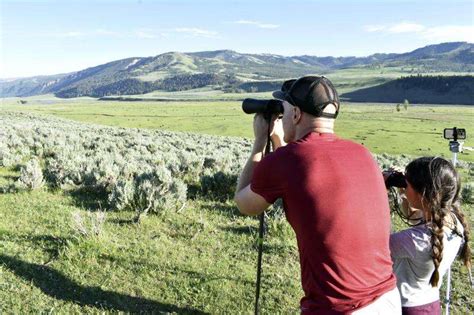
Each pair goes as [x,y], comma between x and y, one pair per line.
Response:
[449,133]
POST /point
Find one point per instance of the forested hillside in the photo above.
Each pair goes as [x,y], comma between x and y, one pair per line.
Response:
[419,89]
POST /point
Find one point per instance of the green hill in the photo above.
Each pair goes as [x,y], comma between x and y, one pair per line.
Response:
[229,70]
[419,89]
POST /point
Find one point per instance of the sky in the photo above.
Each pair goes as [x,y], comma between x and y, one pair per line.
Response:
[51,37]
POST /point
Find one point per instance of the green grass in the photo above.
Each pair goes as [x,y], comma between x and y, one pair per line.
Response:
[416,131]
[201,260]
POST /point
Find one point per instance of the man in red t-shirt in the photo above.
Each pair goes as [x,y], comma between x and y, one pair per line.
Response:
[334,199]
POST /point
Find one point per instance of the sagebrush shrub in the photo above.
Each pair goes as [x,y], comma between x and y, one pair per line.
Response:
[386,161]
[90,224]
[152,191]
[467,193]
[136,169]
[4,155]
[31,175]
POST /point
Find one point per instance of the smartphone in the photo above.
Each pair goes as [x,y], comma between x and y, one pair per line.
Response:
[455,133]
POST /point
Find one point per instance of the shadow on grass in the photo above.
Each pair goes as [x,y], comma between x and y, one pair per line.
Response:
[222,208]
[194,191]
[176,271]
[9,177]
[240,230]
[207,278]
[8,183]
[58,286]
[53,246]
[89,199]
[50,244]
[123,221]
[8,189]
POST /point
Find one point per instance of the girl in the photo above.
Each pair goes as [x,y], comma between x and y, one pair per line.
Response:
[422,254]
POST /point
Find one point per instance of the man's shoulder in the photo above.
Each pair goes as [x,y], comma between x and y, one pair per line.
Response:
[354,147]
[351,143]
[281,152]
[341,145]
[281,157]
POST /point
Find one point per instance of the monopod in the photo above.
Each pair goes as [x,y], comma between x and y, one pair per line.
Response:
[262,227]
[453,134]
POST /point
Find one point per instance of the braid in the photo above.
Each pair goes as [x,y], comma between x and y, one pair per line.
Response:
[465,253]
[438,215]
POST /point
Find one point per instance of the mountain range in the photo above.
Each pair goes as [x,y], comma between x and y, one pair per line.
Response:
[227,70]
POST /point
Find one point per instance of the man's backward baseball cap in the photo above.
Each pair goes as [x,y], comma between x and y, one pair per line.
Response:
[311,94]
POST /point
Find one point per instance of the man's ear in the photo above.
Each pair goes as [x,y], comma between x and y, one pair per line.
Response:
[297,114]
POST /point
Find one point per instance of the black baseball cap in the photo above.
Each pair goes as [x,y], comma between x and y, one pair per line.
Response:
[311,94]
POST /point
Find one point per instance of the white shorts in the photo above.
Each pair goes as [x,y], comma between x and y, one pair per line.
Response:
[387,304]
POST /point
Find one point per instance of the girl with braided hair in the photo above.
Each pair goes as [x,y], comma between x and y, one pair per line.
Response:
[422,254]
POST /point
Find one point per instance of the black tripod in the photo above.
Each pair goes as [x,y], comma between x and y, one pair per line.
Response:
[262,227]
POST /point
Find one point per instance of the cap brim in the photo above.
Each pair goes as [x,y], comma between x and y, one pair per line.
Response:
[280,95]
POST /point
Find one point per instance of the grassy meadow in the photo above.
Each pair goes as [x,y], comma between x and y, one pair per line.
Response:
[200,260]
[418,130]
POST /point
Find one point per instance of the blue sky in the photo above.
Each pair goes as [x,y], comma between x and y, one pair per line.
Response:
[49,37]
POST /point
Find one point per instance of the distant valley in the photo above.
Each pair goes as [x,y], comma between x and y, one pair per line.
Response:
[229,71]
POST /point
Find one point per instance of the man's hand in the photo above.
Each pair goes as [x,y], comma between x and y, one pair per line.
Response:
[277,134]
[260,129]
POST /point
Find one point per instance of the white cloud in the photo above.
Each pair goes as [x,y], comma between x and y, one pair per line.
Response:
[374,28]
[258,24]
[405,27]
[444,33]
[196,32]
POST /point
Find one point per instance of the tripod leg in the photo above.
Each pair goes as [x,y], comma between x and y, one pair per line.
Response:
[261,234]
[259,261]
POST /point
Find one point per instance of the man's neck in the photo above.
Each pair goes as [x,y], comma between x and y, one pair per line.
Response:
[317,127]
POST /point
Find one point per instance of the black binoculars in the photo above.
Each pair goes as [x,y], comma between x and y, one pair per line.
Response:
[266,107]
[396,179]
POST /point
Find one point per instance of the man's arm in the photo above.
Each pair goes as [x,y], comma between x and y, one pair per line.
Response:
[247,201]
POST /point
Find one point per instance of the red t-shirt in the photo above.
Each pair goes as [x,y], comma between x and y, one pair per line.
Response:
[336,202]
